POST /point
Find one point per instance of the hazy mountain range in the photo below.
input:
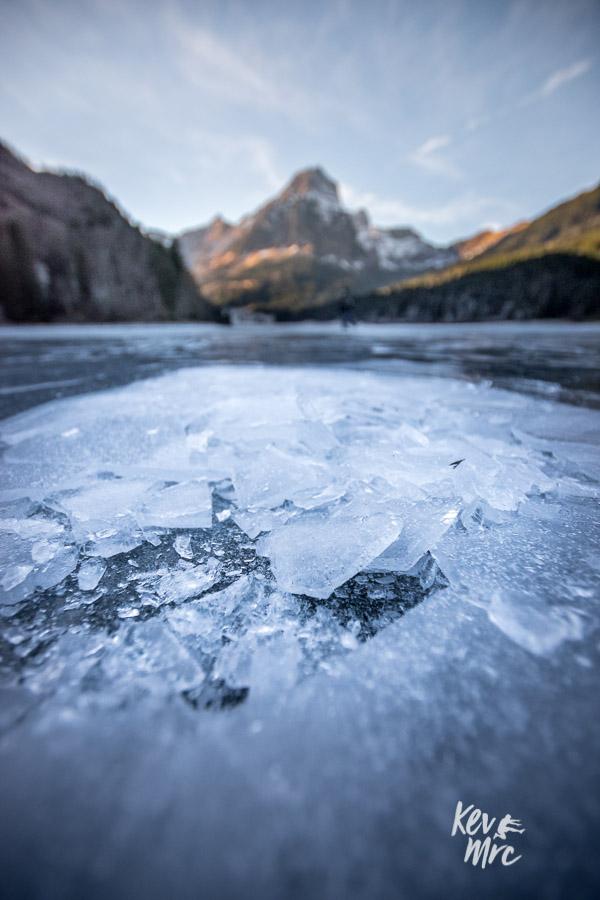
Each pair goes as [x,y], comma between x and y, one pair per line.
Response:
[68,253]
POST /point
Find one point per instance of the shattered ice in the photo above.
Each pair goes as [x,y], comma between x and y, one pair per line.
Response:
[257,526]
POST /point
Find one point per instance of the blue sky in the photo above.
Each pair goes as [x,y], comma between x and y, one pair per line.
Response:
[447,116]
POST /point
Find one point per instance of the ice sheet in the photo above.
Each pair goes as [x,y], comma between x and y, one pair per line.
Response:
[297,451]
[358,691]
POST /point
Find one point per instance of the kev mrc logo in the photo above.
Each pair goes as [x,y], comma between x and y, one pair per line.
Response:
[487,842]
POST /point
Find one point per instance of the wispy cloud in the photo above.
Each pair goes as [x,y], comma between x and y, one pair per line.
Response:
[556,81]
[563,76]
[220,153]
[428,156]
[233,72]
[262,155]
[458,212]
[214,67]
[551,85]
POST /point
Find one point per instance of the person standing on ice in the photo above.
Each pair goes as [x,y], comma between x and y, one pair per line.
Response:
[347,316]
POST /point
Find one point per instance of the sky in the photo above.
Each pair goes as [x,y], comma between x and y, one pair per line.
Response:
[445,116]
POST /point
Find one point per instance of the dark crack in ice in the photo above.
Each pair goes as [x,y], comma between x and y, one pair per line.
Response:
[208,592]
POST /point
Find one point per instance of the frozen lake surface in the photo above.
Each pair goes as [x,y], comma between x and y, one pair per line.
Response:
[42,362]
[274,599]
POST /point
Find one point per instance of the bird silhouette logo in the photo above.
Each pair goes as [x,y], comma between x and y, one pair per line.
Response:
[506,825]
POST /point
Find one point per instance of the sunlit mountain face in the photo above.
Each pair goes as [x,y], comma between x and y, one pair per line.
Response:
[303,248]
[67,252]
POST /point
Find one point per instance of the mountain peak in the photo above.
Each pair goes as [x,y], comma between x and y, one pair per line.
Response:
[218,219]
[312,181]
[218,226]
[303,240]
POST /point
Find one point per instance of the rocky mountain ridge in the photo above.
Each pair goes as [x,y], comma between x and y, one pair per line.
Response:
[548,267]
[68,253]
[303,238]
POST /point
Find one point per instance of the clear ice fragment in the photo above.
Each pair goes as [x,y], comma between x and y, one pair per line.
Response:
[183,546]
[319,550]
[90,573]
[184,505]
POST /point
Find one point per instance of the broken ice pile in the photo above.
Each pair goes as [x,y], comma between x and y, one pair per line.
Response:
[331,473]
[329,487]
